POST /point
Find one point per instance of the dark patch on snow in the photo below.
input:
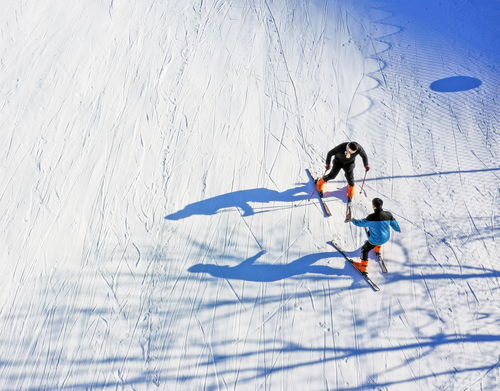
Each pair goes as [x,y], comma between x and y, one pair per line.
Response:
[455,84]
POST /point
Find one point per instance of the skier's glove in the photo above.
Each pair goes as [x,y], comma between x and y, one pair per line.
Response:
[367,168]
[327,166]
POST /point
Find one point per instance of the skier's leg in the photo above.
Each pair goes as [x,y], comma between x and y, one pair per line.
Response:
[349,175]
[365,249]
[363,265]
[331,175]
[333,172]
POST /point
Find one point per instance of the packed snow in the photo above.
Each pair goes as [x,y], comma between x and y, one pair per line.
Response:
[157,224]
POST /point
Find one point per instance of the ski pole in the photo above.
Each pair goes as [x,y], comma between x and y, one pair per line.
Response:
[361,190]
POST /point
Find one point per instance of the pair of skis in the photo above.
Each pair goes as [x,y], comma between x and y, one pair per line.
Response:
[380,261]
[367,278]
[327,213]
[324,206]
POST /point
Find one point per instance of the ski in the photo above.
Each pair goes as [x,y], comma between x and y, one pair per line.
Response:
[365,276]
[380,258]
[324,206]
[381,262]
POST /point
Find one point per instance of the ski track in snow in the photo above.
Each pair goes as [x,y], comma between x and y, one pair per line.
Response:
[156,227]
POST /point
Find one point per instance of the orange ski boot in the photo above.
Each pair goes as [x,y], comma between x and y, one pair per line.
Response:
[319,186]
[361,266]
[378,249]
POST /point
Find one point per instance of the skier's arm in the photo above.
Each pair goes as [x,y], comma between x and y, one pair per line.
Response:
[395,226]
[337,149]
[360,223]
[362,153]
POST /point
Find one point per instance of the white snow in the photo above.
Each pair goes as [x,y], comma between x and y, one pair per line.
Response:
[156,231]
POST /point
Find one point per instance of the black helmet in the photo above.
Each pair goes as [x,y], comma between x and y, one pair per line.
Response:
[377,203]
[352,146]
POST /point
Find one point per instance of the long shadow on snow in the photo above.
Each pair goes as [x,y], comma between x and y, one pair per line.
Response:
[169,379]
[340,353]
[241,199]
[249,271]
[425,345]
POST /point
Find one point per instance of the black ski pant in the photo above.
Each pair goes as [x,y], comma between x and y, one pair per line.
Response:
[336,167]
[365,249]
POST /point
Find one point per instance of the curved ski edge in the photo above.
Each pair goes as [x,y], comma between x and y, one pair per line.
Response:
[370,282]
[324,206]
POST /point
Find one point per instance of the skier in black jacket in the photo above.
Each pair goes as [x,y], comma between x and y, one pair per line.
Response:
[344,155]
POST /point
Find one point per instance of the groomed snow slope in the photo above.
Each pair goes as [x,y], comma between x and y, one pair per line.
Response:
[156,231]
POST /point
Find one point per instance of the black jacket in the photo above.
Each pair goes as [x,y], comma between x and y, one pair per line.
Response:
[338,153]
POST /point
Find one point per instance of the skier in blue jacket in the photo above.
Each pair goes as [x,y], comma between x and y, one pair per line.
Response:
[379,225]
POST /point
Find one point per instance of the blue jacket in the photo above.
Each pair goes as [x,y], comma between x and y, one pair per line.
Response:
[379,224]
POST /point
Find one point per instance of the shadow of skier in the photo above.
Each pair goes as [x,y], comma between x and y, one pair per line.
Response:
[340,193]
[249,271]
[241,199]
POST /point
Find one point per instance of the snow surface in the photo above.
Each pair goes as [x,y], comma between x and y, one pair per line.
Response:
[156,231]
